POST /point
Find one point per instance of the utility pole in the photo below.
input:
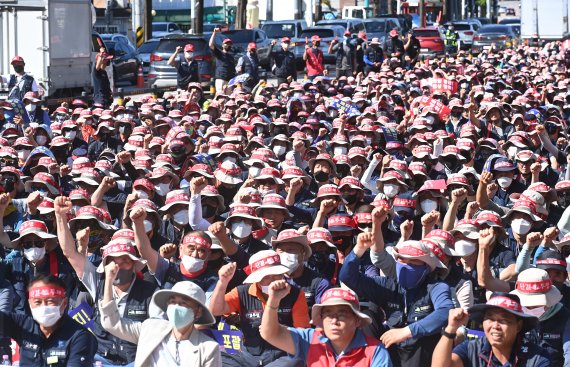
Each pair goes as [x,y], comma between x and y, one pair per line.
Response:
[148,19]
[318,11]
[198,17]
[241,14]
[422,13]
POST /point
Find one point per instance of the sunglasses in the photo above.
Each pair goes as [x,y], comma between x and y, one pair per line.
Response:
[36,243]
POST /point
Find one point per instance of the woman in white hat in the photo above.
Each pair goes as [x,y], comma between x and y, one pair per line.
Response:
[249,300]
[172,342]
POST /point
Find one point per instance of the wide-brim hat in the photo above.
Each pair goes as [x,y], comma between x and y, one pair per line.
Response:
[526,207]
[44,179]
[175,197]
[417,250]
[534,288]
[189,290]
[35,227]
[551,259]
[208,191]
[244,211]
[292,236]
[506,302]
[120,247]
[263,263]
[229,173]
[87,213]
[338,297]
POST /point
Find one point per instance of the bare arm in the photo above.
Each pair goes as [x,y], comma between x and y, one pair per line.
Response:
[77,260]
[218,305]
[271,330]
[219,230]
[142,241]
[211,43]
[484,276]
[172,59]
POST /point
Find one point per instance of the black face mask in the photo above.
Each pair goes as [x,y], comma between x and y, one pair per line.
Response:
[350,198]
[19,69]
[228,194]
[321,176]
[563,199]
[320,257]
[343,243]
[178,157]
[124,276]
[456,114]
[451,164]
[208,211]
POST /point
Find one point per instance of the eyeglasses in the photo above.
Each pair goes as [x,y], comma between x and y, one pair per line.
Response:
[339,316]
[36,243]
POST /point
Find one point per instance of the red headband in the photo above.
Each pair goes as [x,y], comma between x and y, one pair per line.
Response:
[534,287]
[46,291]
[265,262]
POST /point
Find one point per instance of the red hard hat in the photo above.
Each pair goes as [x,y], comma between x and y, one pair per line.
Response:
[17,59]
[189,48]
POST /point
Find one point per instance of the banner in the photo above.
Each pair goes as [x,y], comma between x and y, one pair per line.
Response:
[228,337]
[82,315]
[348,109]
[238,79]
[444,85]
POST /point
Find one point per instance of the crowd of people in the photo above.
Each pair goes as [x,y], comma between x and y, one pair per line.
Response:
[407,214]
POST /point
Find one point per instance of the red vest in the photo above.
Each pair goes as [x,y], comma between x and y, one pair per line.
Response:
[322,355]
[314,62]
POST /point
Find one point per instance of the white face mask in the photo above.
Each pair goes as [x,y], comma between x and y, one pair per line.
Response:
[428,205]
[122,129]
[192,264]
[536,312]
[279,150]
[46,315]
[162,189]
[241,229]
[188,55]
[265,289]
[465,247]
[70,134]
[41,140]
[339,150]
[181,217]
[391,190]
[512,152]
[229,159]
[35,254]
[24,154]
[31,108]
[141,194]
[521,226]
[147,226]
[254,171]
[504,182]
[290,260]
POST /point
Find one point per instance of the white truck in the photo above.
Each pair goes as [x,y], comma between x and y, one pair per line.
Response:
[544,19]
[55,38]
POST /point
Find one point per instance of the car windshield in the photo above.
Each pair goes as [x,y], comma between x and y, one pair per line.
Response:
[148,47]
[375,27]
[342,24]
[159,27]
[462,27]
[278,30]
[242,36]
[169,45]
[322,33]
[426,33]
[493,29]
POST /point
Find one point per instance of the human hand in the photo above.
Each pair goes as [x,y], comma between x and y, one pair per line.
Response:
[197,184]
[226,273]
[486,238]
[395,336]
[327,206]
[168,250]
[278,290]
[407,228]
[138,215]
[533,239]
[457,317]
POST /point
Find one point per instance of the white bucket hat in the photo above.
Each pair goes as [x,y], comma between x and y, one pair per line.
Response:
[336,297]
[292,236]
[185,289]
[534,288]
[419,250]
[263,263]
[229,173]
[120,247]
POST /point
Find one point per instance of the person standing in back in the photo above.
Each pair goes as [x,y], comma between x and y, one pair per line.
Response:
[248,64]
[20,83]
[285,67]
[187,70]
[102,93]
[313,57]
[225,63]
[345,55]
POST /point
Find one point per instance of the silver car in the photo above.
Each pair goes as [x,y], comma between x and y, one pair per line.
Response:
[144,53]
[500,35]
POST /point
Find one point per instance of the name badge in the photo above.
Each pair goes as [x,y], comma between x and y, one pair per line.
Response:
[52,360]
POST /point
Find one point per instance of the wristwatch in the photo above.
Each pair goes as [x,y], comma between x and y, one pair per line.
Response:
[448,335]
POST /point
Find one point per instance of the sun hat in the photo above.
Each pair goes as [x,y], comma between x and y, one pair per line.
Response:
[89,176]
[525,206]
[551,259]
[340,223]
[425,251]
[244,211]
[46,206]
[175,197]
[468,228]
[271,174]
[506,302]
[338,297]
[323,157]
[444,239]
[489,218]
[534,288]
[32,226]
[45,179]
[119,247]
[263,263]
[91,212]
[315,235]
[273,201]
[404,202]
[228,173]
[291,235]
[185,289]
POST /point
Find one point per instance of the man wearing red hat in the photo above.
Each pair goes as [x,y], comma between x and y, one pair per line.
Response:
[20,83]
[313,57]
[248,64]
[187,70]
[345,55]
[285,65]
[225,62]
[394,47]
[102,93]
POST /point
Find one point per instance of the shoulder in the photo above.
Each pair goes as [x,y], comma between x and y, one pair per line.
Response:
[302,334]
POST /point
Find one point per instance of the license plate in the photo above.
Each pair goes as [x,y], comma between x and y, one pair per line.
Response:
[424,50]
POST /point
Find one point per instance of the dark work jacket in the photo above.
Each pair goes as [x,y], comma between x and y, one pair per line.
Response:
[101,87]
[186,72]
[250,66]
[22,272]
[393,45]
[138,301]
[251,312]
[225,65]
[70,344]
[312,284]
[284,63]
[549,334]
[18,90]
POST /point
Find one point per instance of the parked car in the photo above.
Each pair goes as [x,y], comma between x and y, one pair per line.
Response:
[466,31]
[501,35]
[283,28]
[483,20]
[161,29]
[163,75]
[352,25]
[125,59]
[242,37]
[327,34]
[380,27]
[431,41]
[510,12]
[145,51]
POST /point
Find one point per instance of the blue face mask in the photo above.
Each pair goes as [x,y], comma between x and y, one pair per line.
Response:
[411,276]
[179,316]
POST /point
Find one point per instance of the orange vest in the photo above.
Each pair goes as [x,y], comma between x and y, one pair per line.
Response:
[322,355]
